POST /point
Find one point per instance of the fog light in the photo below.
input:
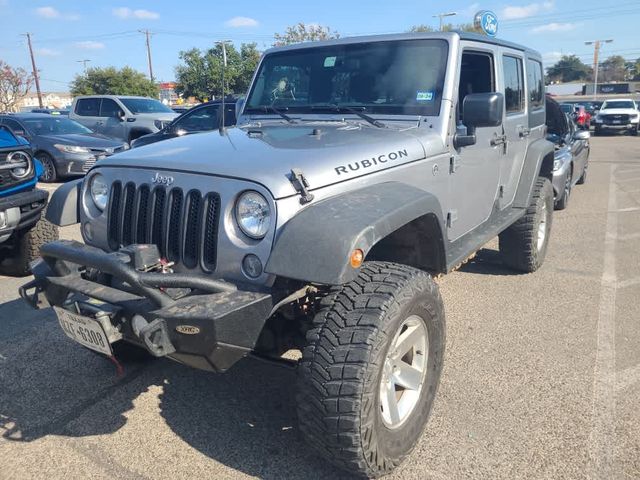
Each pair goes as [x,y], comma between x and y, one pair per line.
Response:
[3,219]
[252,266]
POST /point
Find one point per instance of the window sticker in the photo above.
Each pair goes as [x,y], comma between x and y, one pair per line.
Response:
[422,96]
[330,62]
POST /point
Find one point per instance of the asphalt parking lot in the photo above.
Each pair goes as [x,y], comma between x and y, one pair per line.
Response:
[541,380]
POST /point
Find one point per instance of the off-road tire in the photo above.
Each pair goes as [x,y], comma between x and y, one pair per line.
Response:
[563,201]
[342,365]
[49,172]
[519,243]
[27,247]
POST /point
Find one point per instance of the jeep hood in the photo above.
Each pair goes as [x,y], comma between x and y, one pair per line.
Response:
[325,152]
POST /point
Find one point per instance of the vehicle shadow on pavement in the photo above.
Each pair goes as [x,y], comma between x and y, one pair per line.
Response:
[244,419]
[487,262]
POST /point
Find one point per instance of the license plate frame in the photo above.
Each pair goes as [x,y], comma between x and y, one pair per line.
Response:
[84,330]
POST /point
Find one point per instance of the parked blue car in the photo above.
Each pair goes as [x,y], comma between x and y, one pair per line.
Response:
[22,230]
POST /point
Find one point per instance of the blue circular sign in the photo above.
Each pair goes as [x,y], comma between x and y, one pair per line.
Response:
[487,21]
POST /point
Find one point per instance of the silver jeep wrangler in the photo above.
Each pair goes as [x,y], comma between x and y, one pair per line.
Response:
[360,169]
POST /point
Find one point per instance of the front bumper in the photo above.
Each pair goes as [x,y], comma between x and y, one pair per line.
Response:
[21,211]
[620,126]
[197,321]
[560,174]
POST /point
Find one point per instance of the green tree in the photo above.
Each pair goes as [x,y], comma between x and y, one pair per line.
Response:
[200,73]
[111,81]
[569,69]
[613,69]
[302,32]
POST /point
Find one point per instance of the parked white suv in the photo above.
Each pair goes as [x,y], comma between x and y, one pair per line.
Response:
[618,114]
[122,117]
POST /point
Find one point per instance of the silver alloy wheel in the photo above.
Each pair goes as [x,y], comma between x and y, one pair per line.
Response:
[542,226]
[404,372]
[48,169]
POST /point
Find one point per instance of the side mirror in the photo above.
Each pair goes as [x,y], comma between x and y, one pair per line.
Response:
[581,135]
[121,115]
[479,110]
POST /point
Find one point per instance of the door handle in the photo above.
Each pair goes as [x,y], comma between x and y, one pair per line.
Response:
[524,132]
[99,123]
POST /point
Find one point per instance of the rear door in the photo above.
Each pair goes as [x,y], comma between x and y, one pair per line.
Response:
[87,112]
[515,124]
[110,123]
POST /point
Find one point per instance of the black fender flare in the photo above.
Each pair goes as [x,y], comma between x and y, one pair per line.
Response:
[538,162]
[64,204]
[316,244]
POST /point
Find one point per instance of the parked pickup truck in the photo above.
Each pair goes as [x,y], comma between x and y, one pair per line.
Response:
[22,231]
[360,169]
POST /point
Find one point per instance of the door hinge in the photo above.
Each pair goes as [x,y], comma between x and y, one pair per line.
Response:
[452,216]
[454,163]
[300,183]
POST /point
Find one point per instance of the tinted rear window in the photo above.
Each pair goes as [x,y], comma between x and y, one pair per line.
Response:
[88,107]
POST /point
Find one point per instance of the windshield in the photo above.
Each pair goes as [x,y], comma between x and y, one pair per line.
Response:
[399,77]
[145,105]
[54,126]
[566,107]
[618,104]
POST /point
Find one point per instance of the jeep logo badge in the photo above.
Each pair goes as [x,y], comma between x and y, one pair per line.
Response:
[162,179]
[187,329]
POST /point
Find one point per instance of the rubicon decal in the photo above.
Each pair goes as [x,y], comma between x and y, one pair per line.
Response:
[371,162]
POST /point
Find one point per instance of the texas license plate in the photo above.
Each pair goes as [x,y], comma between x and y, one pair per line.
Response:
[84,330]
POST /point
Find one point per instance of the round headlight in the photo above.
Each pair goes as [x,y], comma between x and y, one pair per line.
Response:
[253,214]
[22,162]
[99,190]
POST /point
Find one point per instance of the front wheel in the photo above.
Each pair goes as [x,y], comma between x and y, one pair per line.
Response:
[49,172]
[27,246]
[369,374]
[523,246]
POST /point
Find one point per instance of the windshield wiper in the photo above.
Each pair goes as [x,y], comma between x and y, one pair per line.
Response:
[359,111]
[277,111]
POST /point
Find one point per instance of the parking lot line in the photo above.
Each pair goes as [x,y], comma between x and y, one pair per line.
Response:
[601,439]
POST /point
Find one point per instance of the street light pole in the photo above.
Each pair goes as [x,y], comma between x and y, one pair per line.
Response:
[596,52]
[84,64]
[442,15]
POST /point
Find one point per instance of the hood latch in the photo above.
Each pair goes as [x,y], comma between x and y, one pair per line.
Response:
[300,183]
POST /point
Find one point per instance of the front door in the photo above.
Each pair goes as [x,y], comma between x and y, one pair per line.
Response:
[515,124]
[111,123]
[474,170]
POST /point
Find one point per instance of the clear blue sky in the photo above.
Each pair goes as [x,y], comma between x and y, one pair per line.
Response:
[107,32]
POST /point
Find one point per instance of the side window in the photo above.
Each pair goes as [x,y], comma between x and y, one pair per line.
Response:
[513,84]
[199,120]
[535,84]
[109,108]
[476,76]
[88,107]
[13,125]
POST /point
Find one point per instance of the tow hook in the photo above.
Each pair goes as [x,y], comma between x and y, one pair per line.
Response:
[154,335]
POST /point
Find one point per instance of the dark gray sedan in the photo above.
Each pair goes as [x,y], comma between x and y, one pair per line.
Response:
[64,147]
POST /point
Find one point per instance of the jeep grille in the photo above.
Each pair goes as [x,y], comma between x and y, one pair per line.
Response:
[183,226]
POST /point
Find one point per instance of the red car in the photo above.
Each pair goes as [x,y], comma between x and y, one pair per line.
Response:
[582,117]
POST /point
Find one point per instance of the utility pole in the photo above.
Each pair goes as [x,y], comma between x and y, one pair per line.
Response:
[442,15]
[36,76]
[596,52]
[84,64]
[147,34]
[224,67]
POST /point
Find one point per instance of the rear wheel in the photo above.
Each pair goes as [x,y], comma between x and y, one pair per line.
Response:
[523,246]
[49,172]
[369,374]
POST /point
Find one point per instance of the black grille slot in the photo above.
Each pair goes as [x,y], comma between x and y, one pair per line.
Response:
[210,232]
[157,225]
[192,225]
[142,211]
[113,226]
[184,226]
[127,214]
[175,216]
